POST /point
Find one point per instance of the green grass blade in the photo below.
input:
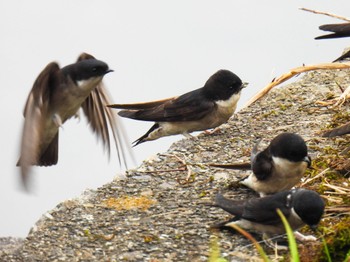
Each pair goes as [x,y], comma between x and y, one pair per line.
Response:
[326,250]
[293,248]
[214,253]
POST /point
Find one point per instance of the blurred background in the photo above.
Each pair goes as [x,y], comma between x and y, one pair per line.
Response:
[158,49]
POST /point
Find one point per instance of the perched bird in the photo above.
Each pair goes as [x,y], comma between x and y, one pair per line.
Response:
[277,168]
[299,206]
[57,95]
[201,109]
[338,30]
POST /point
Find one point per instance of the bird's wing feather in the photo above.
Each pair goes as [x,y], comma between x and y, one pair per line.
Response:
[262,165]
[236,166]
[263,210]
[336,28]
[234,207]
[142,105]
[339,30]
[188,107]
[339,131]
[99,116]
[34,116]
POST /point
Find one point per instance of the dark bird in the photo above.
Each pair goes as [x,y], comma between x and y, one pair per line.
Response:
[299,206]
[338,30]
[57,95]
[201,109]
[338,131]
[277,168]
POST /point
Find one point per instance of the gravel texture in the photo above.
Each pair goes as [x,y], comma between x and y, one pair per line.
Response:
[159,211]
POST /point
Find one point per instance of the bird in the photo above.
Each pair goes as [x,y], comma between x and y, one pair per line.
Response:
[278,167]
[338,131]
[201,109]
[338,31]
[56,96]
[299,206]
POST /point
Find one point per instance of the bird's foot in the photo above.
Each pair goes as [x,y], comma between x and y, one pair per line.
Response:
[337,102]
[304,238]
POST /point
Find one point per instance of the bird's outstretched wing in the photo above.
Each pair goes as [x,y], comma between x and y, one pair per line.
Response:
[35,112]
[99,116]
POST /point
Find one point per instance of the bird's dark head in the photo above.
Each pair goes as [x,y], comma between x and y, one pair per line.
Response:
[290,146]
[309,206]
[222,85]
[86,69]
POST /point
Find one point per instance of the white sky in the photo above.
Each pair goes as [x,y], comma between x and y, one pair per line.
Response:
[158,49]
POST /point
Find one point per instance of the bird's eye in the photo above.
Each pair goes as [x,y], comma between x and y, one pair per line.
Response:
[94,69]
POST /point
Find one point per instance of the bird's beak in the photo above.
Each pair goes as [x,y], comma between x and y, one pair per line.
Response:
[313,228]
[245,84]
[109,71]
[307,159]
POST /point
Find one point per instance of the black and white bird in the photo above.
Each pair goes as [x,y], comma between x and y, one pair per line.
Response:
[299,206]
[201,109]
[56,96]
[277,168]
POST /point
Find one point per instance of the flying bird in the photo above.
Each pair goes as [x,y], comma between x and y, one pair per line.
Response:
[201,109]
[56,96]
[299,206]
[278,167]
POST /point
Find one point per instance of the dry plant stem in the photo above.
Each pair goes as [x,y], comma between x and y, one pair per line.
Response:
[184,167]
[325,13]
[338,189]
[293,72]
[315,177]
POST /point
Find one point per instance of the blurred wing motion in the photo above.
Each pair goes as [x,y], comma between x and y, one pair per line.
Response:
[99,116]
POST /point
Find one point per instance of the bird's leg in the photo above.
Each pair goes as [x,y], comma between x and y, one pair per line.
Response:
[274,245]
[341,100]
[337,102]
[188,135]
[211,131]
[303,238]
[57,120]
